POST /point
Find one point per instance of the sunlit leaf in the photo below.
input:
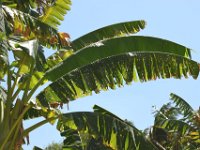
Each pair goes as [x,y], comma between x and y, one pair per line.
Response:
[183,106]
[55,12]
[113,47]
[21,27]
[101,130]
[116,71]
[108,32]
[3,46]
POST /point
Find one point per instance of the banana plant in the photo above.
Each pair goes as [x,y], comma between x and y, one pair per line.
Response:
[100,60]
[176,125]
[100,130]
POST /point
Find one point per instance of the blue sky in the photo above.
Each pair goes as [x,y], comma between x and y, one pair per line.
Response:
[177,21]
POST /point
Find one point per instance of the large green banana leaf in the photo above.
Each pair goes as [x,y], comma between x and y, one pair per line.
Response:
[114,61]
[116,30]
[113,47]
[100,130]
[108,32]
[111,71]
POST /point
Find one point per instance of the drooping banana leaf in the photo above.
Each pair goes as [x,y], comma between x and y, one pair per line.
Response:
[102,128]
[108,32]
[86,71]
[114,47]
[22,27]
[117,70]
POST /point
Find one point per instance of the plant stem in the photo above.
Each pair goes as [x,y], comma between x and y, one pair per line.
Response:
[14,126]
[9,97]
[16,94]
[15,136]
[37,125]
[8,102]
[15,83]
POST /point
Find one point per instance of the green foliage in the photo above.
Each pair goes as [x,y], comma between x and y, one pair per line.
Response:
[3,46]
[115,47]
[112,71]
[108,32]
[54,146]
[100,60]
[176,125]
[54,13]
[50,12]
[22,27]
[101,130]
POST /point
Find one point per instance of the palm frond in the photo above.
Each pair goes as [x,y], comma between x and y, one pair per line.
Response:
[104,128]
[108,32]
